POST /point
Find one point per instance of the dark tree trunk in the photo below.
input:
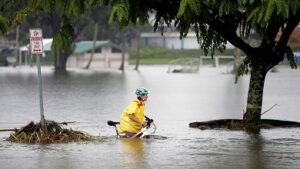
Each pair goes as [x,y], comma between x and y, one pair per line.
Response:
[138,46]
[55,22]
[252,117]
[123,51]
[61,62]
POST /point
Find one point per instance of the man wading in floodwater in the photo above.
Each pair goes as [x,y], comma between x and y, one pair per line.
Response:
[132,118]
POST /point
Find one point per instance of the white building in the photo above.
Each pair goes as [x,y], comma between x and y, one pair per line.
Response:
[172,41]
[106,54]
[24,51]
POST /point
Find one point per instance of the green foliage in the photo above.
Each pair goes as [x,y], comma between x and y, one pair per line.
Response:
[244,68]
[224,7]
[103,2]
[44,4]
[167,53]
[193,5]
[158,56]
[214,21]
[21,15]
[3,25]
[92,2]
[212,41]
[120,11]
[191,12]
[68,10]
[161,56]
[294,6]
[62,41]
[75,7]
[262,14]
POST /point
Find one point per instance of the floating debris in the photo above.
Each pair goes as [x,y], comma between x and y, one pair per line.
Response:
[33,134]
[238,124]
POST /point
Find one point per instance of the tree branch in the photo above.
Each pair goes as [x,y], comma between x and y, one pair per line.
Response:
[231,36]
[271,32]
[269,109]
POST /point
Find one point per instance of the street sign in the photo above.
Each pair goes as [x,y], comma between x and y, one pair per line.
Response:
[36,46]
[36,41]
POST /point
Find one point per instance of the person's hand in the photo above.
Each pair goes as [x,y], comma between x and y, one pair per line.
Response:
[145,123]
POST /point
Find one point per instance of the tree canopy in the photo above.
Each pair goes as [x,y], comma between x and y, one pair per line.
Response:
[218,21]
[214,21]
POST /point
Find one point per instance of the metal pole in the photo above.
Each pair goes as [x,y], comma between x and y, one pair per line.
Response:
[40,91]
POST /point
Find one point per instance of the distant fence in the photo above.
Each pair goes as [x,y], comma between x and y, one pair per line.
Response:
[192,65]
[184,65]
[216,59]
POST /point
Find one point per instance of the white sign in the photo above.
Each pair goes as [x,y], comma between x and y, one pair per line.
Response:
[36,41]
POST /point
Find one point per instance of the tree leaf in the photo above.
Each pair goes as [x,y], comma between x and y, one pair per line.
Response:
[3,25]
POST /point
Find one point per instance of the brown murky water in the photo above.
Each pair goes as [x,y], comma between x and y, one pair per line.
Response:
[91,97]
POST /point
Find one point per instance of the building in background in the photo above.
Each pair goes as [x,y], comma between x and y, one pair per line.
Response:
[106,54]
[24,51]
[171,40]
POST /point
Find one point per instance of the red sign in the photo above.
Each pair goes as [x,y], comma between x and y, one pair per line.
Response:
[36,41]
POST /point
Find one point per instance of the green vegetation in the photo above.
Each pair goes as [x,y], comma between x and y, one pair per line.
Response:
[155,56]
[150,56]
[216,22]
[3,61]
[45,60]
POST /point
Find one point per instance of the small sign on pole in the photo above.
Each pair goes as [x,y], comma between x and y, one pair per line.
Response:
[36,41]
[36,46]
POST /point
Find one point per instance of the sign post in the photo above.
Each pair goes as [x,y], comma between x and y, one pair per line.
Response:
[36,46]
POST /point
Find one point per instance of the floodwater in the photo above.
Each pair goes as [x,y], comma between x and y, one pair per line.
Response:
[91,97]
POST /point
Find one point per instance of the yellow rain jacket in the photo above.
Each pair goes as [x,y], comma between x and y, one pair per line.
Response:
[136,107]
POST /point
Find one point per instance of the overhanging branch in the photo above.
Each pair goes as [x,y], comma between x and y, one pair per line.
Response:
[231,36]
[271,32]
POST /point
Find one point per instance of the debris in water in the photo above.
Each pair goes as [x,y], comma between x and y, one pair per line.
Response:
[33,134]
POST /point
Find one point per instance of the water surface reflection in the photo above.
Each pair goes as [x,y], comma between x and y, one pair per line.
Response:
[132,151]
